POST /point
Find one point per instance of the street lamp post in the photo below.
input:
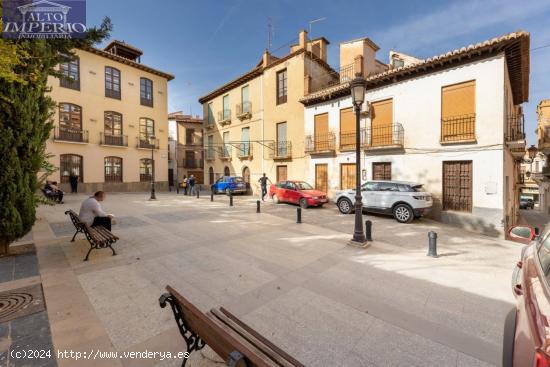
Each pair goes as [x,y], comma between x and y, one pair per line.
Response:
[152,143]
[532,151]
[357,88]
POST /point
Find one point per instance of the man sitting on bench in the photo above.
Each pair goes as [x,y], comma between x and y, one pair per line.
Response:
[92,213]
[52,191]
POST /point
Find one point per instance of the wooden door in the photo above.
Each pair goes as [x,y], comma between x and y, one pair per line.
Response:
[457,186]
[320,136]
[381,123]
[347,176]
[321,177]
[281,173]
[347,129]
[381,171]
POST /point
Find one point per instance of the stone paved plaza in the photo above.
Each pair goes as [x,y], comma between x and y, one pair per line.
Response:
[299,285]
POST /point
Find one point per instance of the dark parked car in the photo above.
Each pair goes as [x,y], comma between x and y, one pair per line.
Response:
[526,203]
[527,331]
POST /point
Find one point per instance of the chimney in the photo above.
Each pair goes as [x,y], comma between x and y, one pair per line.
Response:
[265,58]
[364,47]
[302,38]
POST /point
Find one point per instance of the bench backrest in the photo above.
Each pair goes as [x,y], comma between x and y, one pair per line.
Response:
[222,338]
[74,218]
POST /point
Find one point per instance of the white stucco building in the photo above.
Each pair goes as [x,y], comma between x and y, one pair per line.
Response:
[452,122]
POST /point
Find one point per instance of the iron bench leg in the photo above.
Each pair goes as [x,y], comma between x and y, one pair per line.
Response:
[77,231]
[192,340]
[88,254]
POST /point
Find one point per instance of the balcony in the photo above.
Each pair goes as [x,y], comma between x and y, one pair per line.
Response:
[515,136]
[210,153]
[244,110]
[113,140]
[192,163]
[146,101]
[224,153]
[195,142]
[347,141]
[386,137]
[320,144]
[280,150]
[245,151]
[458,129]
[224,117]
[209,123]
[145,144]
[70,135]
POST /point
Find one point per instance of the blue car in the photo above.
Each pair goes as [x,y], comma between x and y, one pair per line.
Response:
[229,184]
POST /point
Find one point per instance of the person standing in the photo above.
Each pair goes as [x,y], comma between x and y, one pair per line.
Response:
[73,180]
[263,184]
[92,213]
[184,184]
[192,185]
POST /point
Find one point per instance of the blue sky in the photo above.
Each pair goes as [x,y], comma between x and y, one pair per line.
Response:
[206,43]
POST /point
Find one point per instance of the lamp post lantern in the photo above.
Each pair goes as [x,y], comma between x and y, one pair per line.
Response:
[358,88]
[532,151]
[152,143]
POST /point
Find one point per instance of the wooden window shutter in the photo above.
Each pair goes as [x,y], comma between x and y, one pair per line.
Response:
[381,122]
[458,99]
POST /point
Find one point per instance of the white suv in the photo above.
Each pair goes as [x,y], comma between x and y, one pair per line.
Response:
[404,200]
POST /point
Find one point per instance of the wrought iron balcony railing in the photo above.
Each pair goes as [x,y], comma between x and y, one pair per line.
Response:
[210,153]
[71,83]
[244,110]
[244,150]
[73,135]
[224,152]
[146,101]
[458,128]
[192,163]
[320,143]
[515,128]
[280,150]
[384,137]
[224,117]
[115,140]
[347,140]
[146,144]
[209,122]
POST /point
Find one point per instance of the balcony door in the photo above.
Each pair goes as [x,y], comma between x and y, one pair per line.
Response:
[458,111]
[381,123]
[347,129]
[320,136]
[281,140]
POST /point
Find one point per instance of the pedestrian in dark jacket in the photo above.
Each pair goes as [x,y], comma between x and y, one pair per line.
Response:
[73,180]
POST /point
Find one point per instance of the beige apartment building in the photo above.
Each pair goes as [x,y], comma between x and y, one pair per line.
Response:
[542,178]
[255,123]
[111,121]
[188,153]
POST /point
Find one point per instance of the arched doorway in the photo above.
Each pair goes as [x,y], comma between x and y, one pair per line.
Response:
[226,171]
[211,175]
[246,177]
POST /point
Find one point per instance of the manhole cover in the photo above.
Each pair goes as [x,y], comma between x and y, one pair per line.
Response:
[20,302]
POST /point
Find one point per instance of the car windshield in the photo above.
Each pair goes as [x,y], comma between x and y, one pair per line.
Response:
[303,185]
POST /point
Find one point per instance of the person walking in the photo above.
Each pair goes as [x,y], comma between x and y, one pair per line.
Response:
[263,184]
[192,182]
[73,180]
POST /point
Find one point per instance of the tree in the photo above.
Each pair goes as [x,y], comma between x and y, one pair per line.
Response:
[26,122]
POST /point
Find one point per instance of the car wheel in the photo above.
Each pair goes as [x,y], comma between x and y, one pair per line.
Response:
[303,203]
[275,199]
[509,338]
[345,206]
[403,213]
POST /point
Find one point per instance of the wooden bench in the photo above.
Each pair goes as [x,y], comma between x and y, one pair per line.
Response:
[98,236]
[49,195]
[234,341]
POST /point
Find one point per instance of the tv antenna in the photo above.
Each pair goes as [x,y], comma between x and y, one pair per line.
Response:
[270,33]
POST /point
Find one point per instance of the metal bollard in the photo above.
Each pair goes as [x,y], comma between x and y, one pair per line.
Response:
[198,193]
[230,199]
[299,215]
[432,244]
[257,206]
[368,230]
[211,196]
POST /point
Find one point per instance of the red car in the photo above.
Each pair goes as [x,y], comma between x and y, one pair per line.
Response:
[297,192]
[526,330]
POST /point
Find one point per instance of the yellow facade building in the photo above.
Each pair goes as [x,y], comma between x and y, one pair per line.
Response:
[255,123]
[111,116]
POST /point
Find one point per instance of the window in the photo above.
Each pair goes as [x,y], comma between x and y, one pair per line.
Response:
[282,146]
[71,163]
[113,169]
[146,130]
[146,166]
[112,82]
[321,137]
[457,186]
[458,112]
[244,150]
[226,109]
[210,114]
[347,176]
[397,63]
[281,87]
[210,147]
[226,171]
[146,92]
[386,186]
[381,133]
[189,136]
[347,129]
[226,145]
[113,128]
[71,74]
[381,171]
[281,173]
[70,122]
[245,103]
